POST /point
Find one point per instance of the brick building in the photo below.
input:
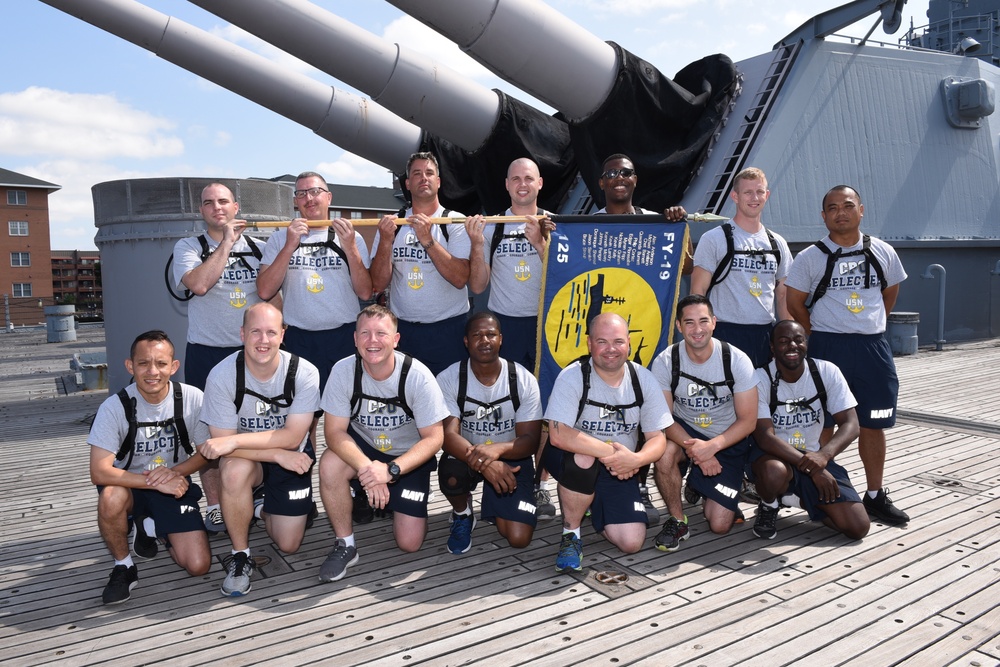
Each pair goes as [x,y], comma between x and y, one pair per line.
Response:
[76,279]
[25,266]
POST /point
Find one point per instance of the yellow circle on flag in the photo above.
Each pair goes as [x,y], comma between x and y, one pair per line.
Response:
[610,290]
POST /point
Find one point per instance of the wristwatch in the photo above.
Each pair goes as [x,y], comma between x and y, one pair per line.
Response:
[394,472]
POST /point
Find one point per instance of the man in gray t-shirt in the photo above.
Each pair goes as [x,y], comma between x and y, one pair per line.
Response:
[426,268]
[598,409]
[851,282]
[384,417]
[141,459]
[259,404]
[742,266]
[219,271]
[715,411]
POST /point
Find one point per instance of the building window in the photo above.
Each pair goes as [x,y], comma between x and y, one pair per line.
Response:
[22,289]
[17,198]
[17,227]
[335,213]
[20,259]
[356,215]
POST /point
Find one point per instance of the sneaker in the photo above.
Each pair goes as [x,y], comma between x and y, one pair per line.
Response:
[748,492]
[214,523]
[652,514]
[462,526]
[144,547]
[763,525]
[313,513]
[673,532]
[738,517]
[336,564]
[239,568]
[881,508]
[570,553]
[362,512]
[691,495]
[120,584]
[544,509]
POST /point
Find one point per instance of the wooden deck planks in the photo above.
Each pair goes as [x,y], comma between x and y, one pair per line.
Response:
[922,595]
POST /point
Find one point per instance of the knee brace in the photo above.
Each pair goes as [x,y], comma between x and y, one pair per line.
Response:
[454,477]
[575,478]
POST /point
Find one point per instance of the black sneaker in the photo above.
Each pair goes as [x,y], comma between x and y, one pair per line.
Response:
[120,584]
[144,547]
[764,524]
[748,492]
[545,510]
[691,495]
[652,514]
[881,508]
[673,533]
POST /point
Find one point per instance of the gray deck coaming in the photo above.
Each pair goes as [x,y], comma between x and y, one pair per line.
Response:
[714,583]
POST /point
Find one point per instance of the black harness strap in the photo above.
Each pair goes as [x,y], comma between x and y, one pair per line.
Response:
[676,374]
[831,260]
[399,400]
[804,403]
[486,408]
[127,448]
[282,400]
[726,264]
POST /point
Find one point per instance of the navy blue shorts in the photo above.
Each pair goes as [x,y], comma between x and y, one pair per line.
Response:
[723,488]
[616,501]
[520,338]
[322,348]
[200,359]
[754,339]
[288,493]
[866,362]
[808,495]
[410,493]
[171,515]
[437,344]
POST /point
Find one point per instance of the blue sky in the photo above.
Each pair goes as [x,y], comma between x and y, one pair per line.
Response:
[80,106]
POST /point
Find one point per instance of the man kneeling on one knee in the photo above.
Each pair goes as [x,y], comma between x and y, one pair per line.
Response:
[599,407]
[790,457]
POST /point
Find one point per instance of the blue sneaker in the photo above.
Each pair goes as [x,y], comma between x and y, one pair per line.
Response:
[460,539]
[570,553]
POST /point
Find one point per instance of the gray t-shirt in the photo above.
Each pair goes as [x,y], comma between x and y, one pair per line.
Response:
[417,292]
[385,426]
[801,426]
[257,415]
[154,445]
[847,307]
[480,424]
[317,291]
[609,425]
[516,274]
[215,318]
[694,403]
[746,294]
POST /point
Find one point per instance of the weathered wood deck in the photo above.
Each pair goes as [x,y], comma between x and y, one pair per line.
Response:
[923,595]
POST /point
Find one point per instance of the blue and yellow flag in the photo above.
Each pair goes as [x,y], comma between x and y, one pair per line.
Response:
[629,265]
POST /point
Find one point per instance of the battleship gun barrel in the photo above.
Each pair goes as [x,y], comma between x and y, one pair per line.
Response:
[351,122]
[529,44]
[414,87]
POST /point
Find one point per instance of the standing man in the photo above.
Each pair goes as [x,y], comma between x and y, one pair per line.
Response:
[742,266]
[618,180]
[141,459]
[711,388]
[426,268]
[511,262]
[383,425]
[600,408]
[854,282]
[322,272]
[219,271]
[789,456]
[492,433]
[259,405]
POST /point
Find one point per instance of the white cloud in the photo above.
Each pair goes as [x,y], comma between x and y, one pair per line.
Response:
[42,121]
[353,170]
